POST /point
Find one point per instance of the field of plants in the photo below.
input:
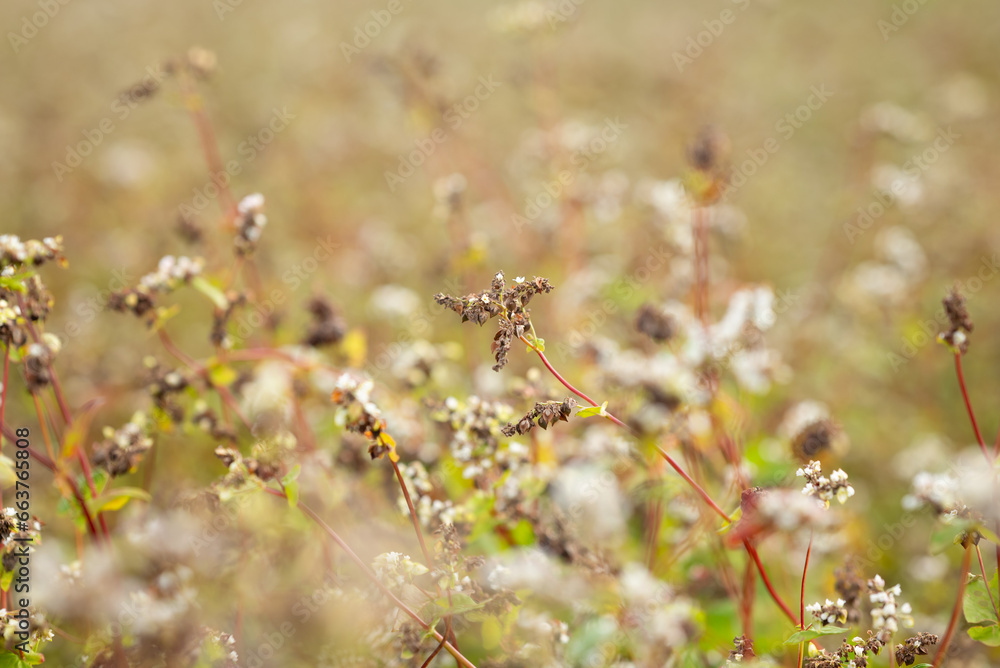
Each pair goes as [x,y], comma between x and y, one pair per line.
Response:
[499,334]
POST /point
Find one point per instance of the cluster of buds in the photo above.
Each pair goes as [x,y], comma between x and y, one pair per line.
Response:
[508,303]
[17,533]
[656,323]
[961,324]
[38,362]
[122,449]
[742,650]
[544,413]
[852,654]
[395,569]
[887,616]
[171,272]
[358,414]
[823,488]
[250,222]
[241,468]
[911,648]
[830,612]
[327,326]
[17,253]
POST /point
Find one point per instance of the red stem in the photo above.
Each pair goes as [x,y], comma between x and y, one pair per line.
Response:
[3,400]
[968,405]
[752,551]
[687,478]
[956,610]
[210,147]
[413,514]
[802,592]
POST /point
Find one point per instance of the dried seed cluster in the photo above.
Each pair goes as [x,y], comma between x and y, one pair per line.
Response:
[961,323]
[544,413]
[508,303]
[655,323]
[358,414]
[327,326]
[122,449]
[911,648]
[250,222]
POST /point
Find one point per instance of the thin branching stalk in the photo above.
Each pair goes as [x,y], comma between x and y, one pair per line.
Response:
[802,591]
[413,514]
[752,551]
[224,394]
[374,578]
[687,478]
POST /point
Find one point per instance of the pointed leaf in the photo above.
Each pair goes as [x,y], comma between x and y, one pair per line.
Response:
[116,499]
[78,429]
[601,410]
[809,634]
[976,604]
[988,635]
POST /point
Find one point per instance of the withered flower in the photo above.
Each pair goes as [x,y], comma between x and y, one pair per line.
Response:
[327,326]
[961,324]
[913,647]
[508,303]
[544,413]
[655,323]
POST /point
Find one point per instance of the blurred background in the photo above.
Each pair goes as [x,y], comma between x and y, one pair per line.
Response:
[407,148]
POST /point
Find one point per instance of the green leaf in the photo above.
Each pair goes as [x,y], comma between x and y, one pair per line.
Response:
[78,430]
[11,660]
[492,633]
[15,283]
[7,474]
[201,284]
[976,603]
[947,535]
[601,410]
[988,635]
[221,375]
[809,634]
[116,499]
[460,604]
[291,484]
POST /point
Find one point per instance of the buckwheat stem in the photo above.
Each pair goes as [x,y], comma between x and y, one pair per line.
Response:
[374,578]
[683,474]
[968,406]
[802,592]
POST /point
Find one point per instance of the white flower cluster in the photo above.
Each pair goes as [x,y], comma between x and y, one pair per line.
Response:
[395,569]
[361,391]
[250,223]
[788,511]
[32,251]
[133,433]
[171,272]
[886,614]
[830,612]
[937,490]
[823,488]
[9,313]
